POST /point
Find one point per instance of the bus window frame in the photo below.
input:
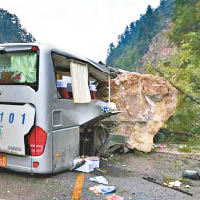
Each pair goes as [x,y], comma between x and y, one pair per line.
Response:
[54,69]
[34,85]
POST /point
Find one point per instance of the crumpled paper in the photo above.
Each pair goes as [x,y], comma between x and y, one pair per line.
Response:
[102,189]
[99,179]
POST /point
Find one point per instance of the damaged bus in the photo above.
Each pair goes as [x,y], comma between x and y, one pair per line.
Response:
[49,111]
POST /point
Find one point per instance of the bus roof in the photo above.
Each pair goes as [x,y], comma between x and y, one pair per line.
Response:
[28,46]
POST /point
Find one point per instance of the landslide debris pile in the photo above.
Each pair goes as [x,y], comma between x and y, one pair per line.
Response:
[147,101]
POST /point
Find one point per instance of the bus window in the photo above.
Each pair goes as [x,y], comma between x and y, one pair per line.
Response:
[72,79]
[63,76]
[18,68]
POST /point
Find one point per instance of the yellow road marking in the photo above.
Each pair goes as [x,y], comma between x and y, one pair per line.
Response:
[77,190]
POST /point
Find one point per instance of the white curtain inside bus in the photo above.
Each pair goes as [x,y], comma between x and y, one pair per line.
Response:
[80,88]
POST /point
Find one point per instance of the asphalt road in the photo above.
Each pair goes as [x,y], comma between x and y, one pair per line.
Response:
[125,172]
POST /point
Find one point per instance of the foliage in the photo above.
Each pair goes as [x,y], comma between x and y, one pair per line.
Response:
[182,68]
[11,29]
[135,40]
[186,19]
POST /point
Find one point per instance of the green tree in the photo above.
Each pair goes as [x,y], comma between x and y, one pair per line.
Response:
[186,19]
[183,67]
[135,41]
[11,29]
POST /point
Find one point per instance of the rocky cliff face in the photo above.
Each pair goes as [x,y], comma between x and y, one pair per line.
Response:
[160,50]
[147,102]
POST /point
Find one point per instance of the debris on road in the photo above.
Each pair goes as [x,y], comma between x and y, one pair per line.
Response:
[174,184]
[114,197]
[77,164]
[87,164]
[95,160]
[86,167]
[187,186]
[165,185]
[99,179]
[102,189]
[191,174]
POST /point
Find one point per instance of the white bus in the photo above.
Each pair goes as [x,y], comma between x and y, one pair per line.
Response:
[48,107]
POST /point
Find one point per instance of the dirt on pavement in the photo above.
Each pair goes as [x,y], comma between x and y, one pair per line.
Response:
[125,172]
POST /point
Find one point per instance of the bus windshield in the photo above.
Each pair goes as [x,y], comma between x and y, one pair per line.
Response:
[18,68]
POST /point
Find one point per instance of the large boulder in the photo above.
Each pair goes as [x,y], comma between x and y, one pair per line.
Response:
[147,102]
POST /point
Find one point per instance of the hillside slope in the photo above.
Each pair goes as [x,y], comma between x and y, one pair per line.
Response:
[175,56]
[160,50]
[137,37]
[172,51]
[11,29]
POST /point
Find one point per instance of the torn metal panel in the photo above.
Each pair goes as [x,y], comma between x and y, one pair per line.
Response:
[95,135]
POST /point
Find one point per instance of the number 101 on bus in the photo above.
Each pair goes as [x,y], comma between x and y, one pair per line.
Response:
[11,117]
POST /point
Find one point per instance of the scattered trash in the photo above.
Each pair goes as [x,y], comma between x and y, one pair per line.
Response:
[86,167]
[187,186]
[102,189]
[94,159]
[87,164]
[107,189]
[95,190]
[191,174]
[174,184]
[165,184]
[99,179]
[77,164]
[114,197]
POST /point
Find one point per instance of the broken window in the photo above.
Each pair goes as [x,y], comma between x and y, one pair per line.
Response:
[63,76]
[73,80]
